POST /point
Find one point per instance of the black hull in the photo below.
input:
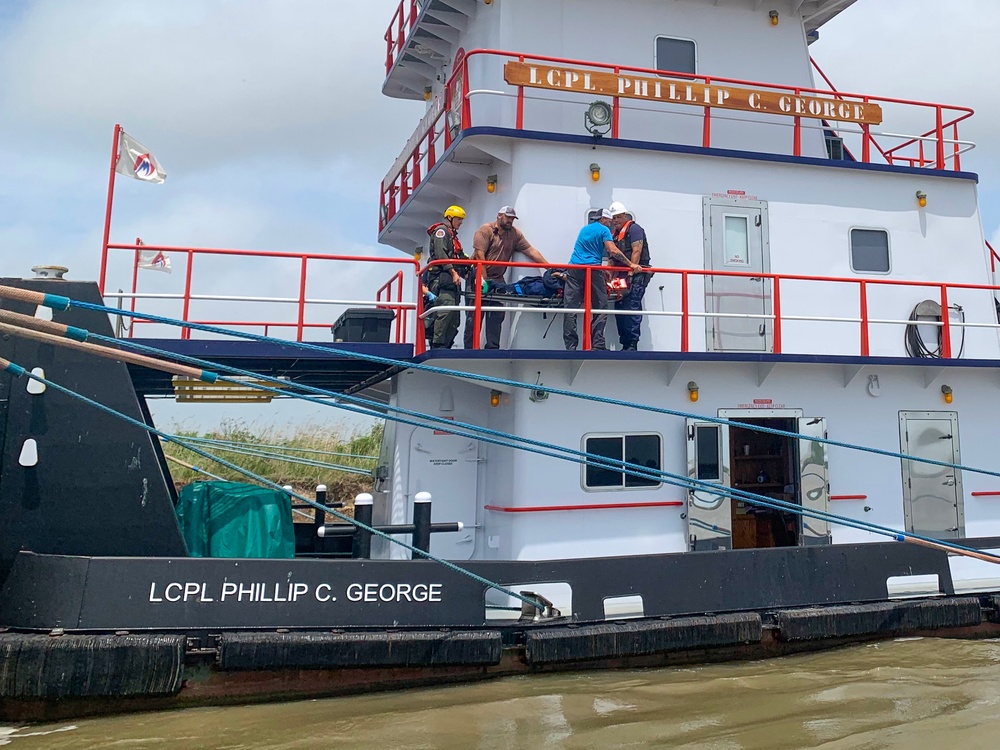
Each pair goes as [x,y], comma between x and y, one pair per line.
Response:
[107,638]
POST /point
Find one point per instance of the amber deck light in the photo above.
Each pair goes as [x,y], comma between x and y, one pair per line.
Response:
[948,395]
[491,184]
[494,398]
[774,17]
[922,199]
[595,172]
[693,391]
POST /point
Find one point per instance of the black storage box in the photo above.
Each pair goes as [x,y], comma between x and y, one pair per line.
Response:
[362,325]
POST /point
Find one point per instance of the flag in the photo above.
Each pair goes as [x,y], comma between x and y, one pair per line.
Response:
[136,161]
[154,260]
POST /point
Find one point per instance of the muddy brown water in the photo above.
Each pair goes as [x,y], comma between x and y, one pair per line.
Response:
[913,694]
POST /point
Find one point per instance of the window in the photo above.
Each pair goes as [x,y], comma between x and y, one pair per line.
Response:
[708,458]
[676,55]
[869,251]
[642,450]
[737,240]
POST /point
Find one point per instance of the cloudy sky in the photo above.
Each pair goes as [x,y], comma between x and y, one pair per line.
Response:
[268,117]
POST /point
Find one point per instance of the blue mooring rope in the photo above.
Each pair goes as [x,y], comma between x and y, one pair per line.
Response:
[67,302]
[18,371]
[550,450]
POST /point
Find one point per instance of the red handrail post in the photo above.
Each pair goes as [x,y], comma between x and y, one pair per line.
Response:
[107,210]
[958,149]
[706,125]
[616,108]
[519,120]
[945,325]
[419,336]
[866,143]
[797,137]
[466,102]
[300,326]
[400,38]
[186,332]
[413,13]
[777,315]
[401,317]
[135,283]
[587,302]
[939,132]
[685,314]
[865,342]
[477,323]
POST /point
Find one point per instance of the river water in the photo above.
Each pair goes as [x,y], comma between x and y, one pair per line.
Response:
[911,693]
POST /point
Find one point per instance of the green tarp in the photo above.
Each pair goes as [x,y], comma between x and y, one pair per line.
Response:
[231,519]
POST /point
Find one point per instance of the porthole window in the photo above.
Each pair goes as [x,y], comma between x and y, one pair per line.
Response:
[676,55]
[642,450]
[870,251]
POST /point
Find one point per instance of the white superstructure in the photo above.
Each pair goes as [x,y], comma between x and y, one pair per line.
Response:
[792,249]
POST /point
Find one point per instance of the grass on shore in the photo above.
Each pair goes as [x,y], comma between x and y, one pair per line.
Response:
[341,486]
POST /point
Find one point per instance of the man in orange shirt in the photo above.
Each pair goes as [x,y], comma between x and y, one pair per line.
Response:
[497,241]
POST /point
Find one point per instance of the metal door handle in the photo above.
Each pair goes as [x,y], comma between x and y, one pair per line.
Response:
[762,330]
[756,278]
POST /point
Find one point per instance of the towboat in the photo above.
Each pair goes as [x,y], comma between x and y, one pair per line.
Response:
[796,455]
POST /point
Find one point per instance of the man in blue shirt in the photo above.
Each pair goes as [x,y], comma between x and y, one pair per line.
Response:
[592,243]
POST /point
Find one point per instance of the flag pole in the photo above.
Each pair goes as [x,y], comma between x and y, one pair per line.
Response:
[107,212]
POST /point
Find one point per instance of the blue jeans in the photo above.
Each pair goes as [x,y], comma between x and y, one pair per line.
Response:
[630,326]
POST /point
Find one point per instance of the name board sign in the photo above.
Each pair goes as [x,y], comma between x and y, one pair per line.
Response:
[673,91]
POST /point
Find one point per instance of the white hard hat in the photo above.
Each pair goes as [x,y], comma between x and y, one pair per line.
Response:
[618,208]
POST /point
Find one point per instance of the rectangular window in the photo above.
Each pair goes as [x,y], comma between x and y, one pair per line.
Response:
[641,450]
[709,461]
[869,251]
[737,239]
[676,55]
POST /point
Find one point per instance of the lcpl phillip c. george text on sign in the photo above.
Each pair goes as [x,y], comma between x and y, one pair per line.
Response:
[692,93]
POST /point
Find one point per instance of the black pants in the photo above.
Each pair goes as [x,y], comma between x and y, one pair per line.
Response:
[494,322]
[573,294]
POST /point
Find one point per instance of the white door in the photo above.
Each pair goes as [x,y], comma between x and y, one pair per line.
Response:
[932,495]
[814,481]
[709,513]
[447,466]
[736,241]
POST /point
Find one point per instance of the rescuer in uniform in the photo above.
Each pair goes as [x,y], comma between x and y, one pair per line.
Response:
[445,280]
[497,241]
[592,243]
[630,238]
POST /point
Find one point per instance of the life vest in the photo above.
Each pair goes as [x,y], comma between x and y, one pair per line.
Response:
[457,253]
[626,247]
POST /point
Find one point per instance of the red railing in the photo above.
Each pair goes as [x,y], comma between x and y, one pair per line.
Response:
[400,321]
[776,316]
[300,300]
[400,26]
[993,257]
[421,152]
